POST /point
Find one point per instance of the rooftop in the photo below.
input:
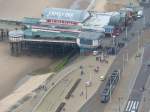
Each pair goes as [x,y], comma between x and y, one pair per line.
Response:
[29,33]
[91,35]
[100,20]
[65,14]
[28,20]
[16,33]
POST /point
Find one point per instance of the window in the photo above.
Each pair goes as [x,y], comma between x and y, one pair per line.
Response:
[86,41]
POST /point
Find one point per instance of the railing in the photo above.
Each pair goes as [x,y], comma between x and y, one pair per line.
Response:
[10,21]
[19,39]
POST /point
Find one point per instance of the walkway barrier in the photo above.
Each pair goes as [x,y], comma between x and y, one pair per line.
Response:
[10,21]
[73,88]
[60,107]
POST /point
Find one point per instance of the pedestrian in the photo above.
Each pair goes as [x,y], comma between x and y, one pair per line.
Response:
[97,67]
[143,88]
[106,61]
[64,109]
[97,58]
[52,83]
[81,94]
[82,72]
[81,67]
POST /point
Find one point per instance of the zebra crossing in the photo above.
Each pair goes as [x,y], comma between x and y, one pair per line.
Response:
[132,106]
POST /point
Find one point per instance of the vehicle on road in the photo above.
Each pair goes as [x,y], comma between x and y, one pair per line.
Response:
[110,86]
[140,13]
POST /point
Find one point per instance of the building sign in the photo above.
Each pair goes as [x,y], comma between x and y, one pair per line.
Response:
[62,22]
[59,14]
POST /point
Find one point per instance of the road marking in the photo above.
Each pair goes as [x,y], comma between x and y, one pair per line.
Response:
[128,105]
[137,105]
[132,105]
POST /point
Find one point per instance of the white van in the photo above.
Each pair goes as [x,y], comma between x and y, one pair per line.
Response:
[140,13]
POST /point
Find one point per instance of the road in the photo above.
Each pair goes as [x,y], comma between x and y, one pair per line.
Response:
[94,104]
[139,87]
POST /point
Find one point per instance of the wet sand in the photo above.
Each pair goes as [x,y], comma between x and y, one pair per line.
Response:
[13,69]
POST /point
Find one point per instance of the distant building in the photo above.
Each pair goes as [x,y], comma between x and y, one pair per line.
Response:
[144,1]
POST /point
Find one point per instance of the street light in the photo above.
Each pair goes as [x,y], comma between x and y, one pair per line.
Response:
[138,41]
[110,90]
[144,21]
[126,33]
[123,62]
[86,92]
[119,99]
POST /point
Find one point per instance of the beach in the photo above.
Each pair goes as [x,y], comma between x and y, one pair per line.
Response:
[13,69]
[17,9]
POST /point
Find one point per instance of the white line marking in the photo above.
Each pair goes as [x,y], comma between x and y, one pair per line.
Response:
[137,105]
[128,105]
[131,105]
[134,105]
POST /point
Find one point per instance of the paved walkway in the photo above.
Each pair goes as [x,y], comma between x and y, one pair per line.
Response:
[145,103]
[60,84]
[57,95]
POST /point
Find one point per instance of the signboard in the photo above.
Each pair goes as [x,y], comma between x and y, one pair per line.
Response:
[60,14]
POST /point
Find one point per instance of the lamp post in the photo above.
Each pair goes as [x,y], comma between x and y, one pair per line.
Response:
[144,21]
[126,37]
[119,100]
[115,44]
[86,92]
[138,41]
[123,62]
[110,90]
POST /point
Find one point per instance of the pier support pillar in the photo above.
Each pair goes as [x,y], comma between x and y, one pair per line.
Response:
[15,48]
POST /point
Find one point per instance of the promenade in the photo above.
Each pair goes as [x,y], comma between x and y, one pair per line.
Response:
[62,82]
[81,93]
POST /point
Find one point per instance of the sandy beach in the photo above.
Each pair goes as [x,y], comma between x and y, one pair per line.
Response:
[17,9]
[12,69]
[117,4]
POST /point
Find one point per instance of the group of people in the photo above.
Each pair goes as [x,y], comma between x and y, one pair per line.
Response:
[102,58]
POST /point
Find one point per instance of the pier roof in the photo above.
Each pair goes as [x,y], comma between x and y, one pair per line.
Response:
[91,35]
[65,14]
[29,33]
